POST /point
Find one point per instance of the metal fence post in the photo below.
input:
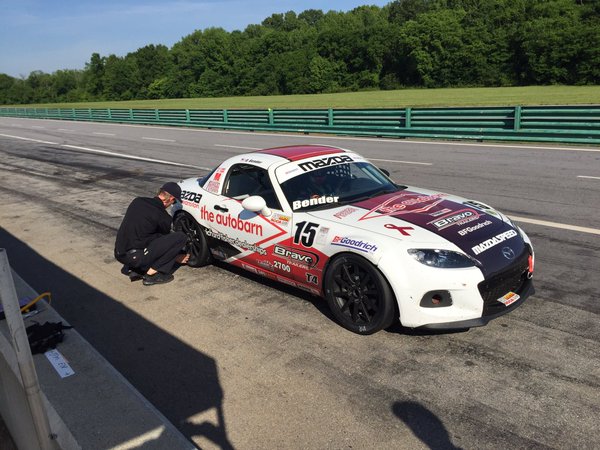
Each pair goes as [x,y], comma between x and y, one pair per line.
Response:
[271,118]
[330,117]
[18,334]
[407,117]
[225,116]
[517,122]
[187,116]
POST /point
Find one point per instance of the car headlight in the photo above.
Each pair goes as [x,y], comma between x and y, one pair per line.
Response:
[445,259]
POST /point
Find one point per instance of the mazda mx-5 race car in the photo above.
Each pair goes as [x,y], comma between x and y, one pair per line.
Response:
[326,220]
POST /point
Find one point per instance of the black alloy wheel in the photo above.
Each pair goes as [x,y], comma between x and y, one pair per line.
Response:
[358,295]
[197,245]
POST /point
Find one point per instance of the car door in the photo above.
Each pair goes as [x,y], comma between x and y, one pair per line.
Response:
[240,236]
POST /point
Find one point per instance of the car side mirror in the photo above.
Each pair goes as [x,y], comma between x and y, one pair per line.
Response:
[256,204]
[385,171]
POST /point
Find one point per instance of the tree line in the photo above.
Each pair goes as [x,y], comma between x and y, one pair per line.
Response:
[407,43]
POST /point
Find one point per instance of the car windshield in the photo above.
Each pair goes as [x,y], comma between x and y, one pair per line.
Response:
[334,185]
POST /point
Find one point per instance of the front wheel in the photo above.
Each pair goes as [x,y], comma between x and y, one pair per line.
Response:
[358,295]
[197,246]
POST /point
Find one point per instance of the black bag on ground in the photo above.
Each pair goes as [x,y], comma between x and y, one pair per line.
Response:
[44,337]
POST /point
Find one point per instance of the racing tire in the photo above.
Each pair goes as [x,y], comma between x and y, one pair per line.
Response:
[358,295]
[196,245]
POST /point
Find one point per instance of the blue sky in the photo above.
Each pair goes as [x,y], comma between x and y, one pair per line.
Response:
[50,35]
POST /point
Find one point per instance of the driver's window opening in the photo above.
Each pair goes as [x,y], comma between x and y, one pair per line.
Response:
[245,180]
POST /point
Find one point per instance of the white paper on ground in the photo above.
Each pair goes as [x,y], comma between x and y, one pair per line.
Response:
[59,363]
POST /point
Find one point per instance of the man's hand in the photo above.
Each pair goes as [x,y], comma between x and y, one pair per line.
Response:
[183,259]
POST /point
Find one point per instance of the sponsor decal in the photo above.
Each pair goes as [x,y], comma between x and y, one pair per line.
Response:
[412,203]
[190,204]
[236,242]
[362,246]
[250,160]
[218,174]
[322,235]
[213,186]
[314,201]
[344,212]
[324,162]
[402,230]
[475,227]
[191,196]
[286,281]
[313,279]
[440,212]
[509,299]
[302,258]
[265,263]
[498,239]
[229,221]
[253,270]
[280,219]
[455,218]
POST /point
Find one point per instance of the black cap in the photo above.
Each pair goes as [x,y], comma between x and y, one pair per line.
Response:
[173,189]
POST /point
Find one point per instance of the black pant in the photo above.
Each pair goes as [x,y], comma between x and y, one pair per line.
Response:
[160,254]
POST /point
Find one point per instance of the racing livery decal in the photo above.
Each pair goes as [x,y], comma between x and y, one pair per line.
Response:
[359,245]
[297,204]
[230,221]
[296,257]
[407,202]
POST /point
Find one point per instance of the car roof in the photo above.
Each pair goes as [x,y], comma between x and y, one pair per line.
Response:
[298,152]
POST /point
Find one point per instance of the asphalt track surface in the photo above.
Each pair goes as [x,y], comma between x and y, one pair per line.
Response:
[237,362]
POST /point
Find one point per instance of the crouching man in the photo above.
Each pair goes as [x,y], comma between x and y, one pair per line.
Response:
[145,244]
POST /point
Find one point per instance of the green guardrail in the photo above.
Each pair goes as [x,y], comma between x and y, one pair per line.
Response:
[563,124]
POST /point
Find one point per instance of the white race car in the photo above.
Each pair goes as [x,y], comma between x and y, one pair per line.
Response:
[326,220]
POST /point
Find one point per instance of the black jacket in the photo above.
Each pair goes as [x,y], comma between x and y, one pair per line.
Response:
[145,220]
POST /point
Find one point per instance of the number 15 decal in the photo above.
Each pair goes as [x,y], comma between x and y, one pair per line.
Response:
[305,233]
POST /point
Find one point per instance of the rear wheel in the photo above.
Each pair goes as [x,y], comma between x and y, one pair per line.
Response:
[358,295]
[197,245]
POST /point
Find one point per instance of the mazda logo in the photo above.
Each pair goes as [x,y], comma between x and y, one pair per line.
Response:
[508,253]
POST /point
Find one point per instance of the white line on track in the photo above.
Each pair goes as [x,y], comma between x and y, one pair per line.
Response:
[401,162]
[38,127]
[104,134]
[562,226]
[236,146]
[138,158]
[29,139]
[66,129]
[587,176]
[158,139]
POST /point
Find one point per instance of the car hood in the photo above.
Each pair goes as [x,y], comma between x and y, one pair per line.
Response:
[411,215]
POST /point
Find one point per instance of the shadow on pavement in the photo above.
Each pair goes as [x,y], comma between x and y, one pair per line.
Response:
[425,425]
[177,379]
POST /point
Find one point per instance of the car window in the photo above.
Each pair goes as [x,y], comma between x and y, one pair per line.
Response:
[245,180]
[329,186]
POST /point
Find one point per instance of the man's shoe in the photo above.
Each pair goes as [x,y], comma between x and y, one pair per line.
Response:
[157,278]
